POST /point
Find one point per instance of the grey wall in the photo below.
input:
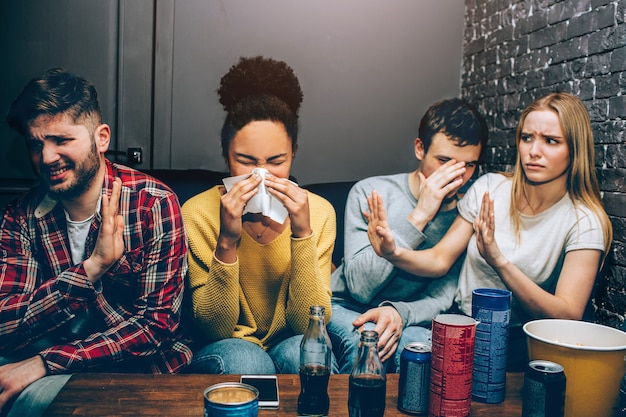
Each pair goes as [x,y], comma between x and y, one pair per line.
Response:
[39,34]
[109,42]
[368,69]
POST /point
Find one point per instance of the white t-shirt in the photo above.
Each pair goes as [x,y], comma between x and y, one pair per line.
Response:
[544,240]
[77,232]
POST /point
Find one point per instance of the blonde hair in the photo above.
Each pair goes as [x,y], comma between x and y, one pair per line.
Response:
[582,183]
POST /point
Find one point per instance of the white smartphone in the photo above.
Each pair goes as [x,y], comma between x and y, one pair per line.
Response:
[268,389]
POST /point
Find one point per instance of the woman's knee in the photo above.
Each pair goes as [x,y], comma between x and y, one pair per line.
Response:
[286,355]
[232,356]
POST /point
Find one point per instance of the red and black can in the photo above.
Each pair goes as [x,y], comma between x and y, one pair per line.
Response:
[413,387]
[543,394]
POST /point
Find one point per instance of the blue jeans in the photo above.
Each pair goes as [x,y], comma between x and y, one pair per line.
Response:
[345,338]
[36,397]
[238,356]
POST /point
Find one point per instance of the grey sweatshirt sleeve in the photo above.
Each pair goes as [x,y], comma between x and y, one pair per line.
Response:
[364,272]
[437,298]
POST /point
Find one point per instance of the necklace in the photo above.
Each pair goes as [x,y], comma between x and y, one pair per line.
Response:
[255,233]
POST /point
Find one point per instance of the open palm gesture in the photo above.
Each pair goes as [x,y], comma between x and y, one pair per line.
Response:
[378,230]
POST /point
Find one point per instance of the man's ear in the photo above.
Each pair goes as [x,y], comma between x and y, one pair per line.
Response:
[102,138]
[419,149]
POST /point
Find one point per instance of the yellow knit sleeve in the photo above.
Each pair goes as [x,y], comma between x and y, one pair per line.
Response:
[310,266]
[214,285]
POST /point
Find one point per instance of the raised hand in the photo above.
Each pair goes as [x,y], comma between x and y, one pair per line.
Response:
[232,205]
[296,201]
[484,227]
[442,183]
[378,231]
[110,243]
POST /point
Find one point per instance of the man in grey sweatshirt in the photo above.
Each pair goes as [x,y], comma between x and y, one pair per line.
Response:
[421,205]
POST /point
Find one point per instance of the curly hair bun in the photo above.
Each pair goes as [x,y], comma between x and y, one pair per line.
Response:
[260,76]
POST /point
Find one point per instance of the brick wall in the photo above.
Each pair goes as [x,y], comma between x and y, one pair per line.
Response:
[518,50]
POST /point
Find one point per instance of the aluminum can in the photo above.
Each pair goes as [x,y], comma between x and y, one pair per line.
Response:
[451,365]
[543,394]
[413,387]
[491,307]
[231,399]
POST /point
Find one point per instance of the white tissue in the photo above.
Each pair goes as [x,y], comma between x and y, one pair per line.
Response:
[262,202]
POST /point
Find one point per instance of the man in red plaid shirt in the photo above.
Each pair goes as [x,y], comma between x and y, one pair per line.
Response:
[91,262]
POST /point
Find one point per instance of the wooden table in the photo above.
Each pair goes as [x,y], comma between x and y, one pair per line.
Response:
[181,395]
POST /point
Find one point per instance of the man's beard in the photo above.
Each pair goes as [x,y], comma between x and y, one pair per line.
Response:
[84,174]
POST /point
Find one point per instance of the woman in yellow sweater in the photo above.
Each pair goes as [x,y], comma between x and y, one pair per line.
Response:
[252,279]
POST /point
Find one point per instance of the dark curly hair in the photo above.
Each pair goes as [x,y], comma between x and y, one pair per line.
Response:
[257,89]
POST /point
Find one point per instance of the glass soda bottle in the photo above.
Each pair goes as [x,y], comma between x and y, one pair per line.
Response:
[368,384]
[315,360]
